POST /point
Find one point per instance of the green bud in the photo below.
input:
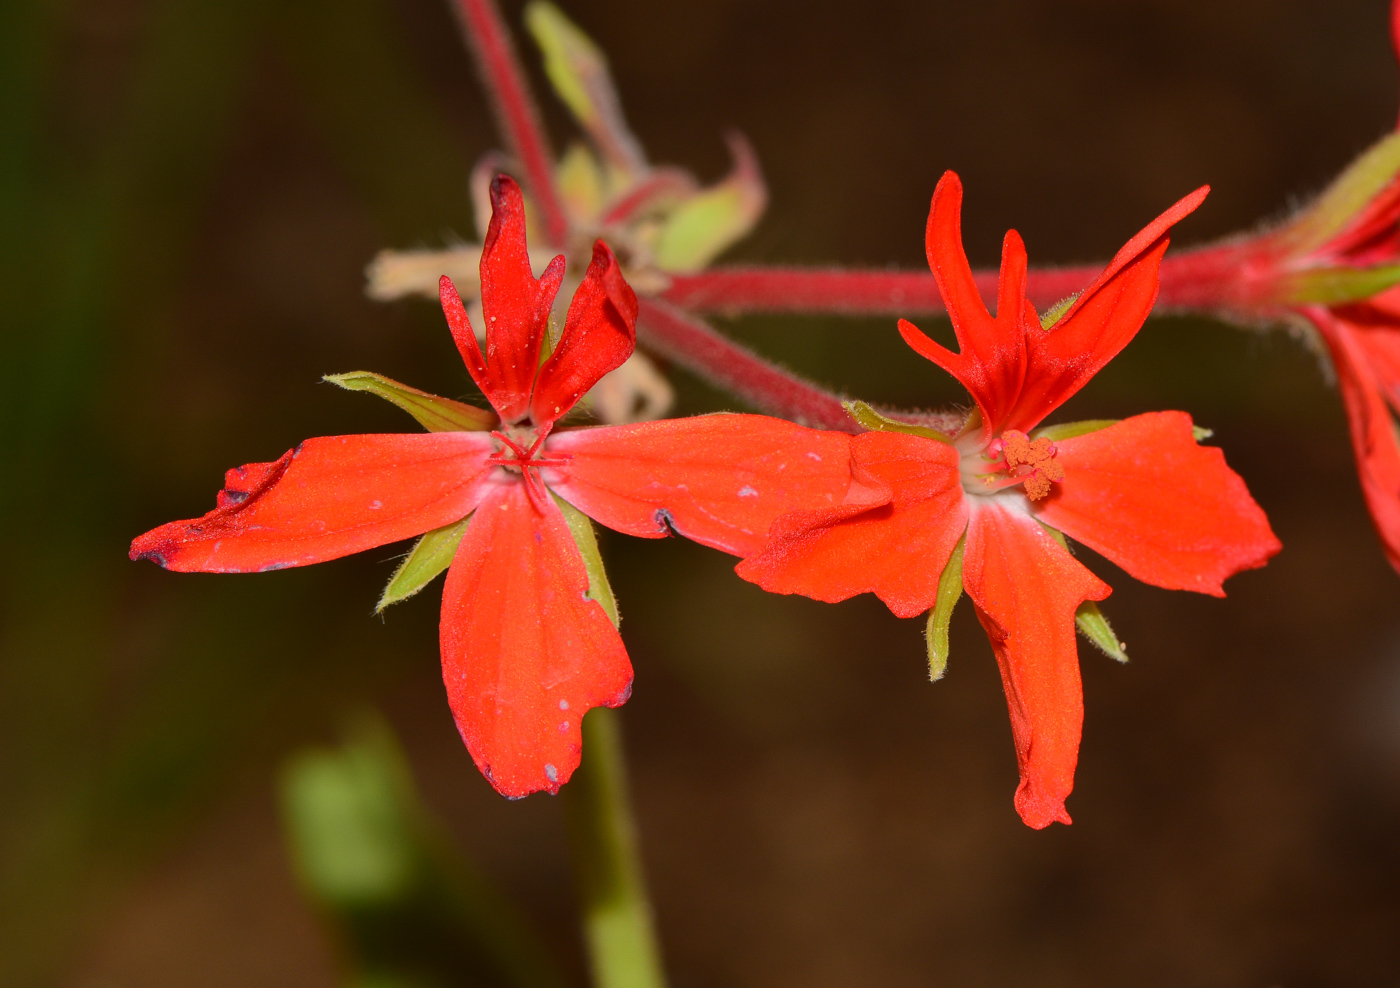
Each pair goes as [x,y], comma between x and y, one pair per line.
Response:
[433,413]
[702,226]
[578,71]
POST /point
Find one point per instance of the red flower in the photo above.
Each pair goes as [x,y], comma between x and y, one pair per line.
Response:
[986,506]
[527,647]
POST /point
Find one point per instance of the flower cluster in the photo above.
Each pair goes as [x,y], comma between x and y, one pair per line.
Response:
[501,499]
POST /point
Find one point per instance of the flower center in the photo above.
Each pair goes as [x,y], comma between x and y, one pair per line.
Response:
[1012,459]
[515,455]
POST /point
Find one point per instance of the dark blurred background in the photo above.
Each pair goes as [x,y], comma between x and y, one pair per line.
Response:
[189,190]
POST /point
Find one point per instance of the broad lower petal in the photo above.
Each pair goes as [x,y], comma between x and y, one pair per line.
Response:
[718,479]
[327,498]
[895,548]
[1146,495]
[1373,429]
[525,654]
[1026,588]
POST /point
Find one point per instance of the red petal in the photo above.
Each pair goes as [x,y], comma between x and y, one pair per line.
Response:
[1101,322]
[1026,588]
[516,305]
[524,653]
[1373,430]
[718,479]
[895,549]
[327,498]
[600,332]
[1169,511]
[991,362]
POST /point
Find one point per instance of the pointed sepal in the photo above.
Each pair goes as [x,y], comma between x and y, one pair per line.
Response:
[950,588]
[581,529]
[433,413]
[1095,627]
[428,560]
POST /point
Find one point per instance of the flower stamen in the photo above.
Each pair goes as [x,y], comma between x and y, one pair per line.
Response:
[518,457]
[1027,462]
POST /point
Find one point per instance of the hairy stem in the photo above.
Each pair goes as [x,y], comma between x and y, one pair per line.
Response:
[717,359]
[622,945]
[1207,279]
[515,108]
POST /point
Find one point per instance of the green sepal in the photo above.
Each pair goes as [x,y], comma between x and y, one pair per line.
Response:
[433,413]
[1068,430]
[950,588]
[1336,286]
[1347,196]
[1053,314]
[432,555]
[582,530]
[1200,433]
[875,422]
[1095,627]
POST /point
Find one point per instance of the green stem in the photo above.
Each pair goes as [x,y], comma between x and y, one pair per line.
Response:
[623,951]
[617,921]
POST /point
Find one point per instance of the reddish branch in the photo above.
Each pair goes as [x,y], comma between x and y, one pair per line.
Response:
[687,341]
[515,108]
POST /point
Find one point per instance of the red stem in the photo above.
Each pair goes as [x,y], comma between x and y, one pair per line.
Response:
[1207,279]
[515,108]
[687,341]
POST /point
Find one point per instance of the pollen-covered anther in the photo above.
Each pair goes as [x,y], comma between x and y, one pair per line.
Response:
[1021,452]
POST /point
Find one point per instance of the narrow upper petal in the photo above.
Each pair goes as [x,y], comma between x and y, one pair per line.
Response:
[600,332]
[1373,429]
[525,654]
[991,362]
[1027,588]
[327,498]
[894,540]
[718,479]
[1098,325]
[515,304]
[1146,495]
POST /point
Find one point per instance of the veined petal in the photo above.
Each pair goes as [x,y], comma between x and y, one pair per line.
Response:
[1027,588]
[515,304]
[1100,322]
[1374,437]
[327,498]
[991,362]
[600,332]
[893,542]
[718,479]
[1144,494]
[525,652]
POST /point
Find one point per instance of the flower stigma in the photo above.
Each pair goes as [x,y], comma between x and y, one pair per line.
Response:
[513,454]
